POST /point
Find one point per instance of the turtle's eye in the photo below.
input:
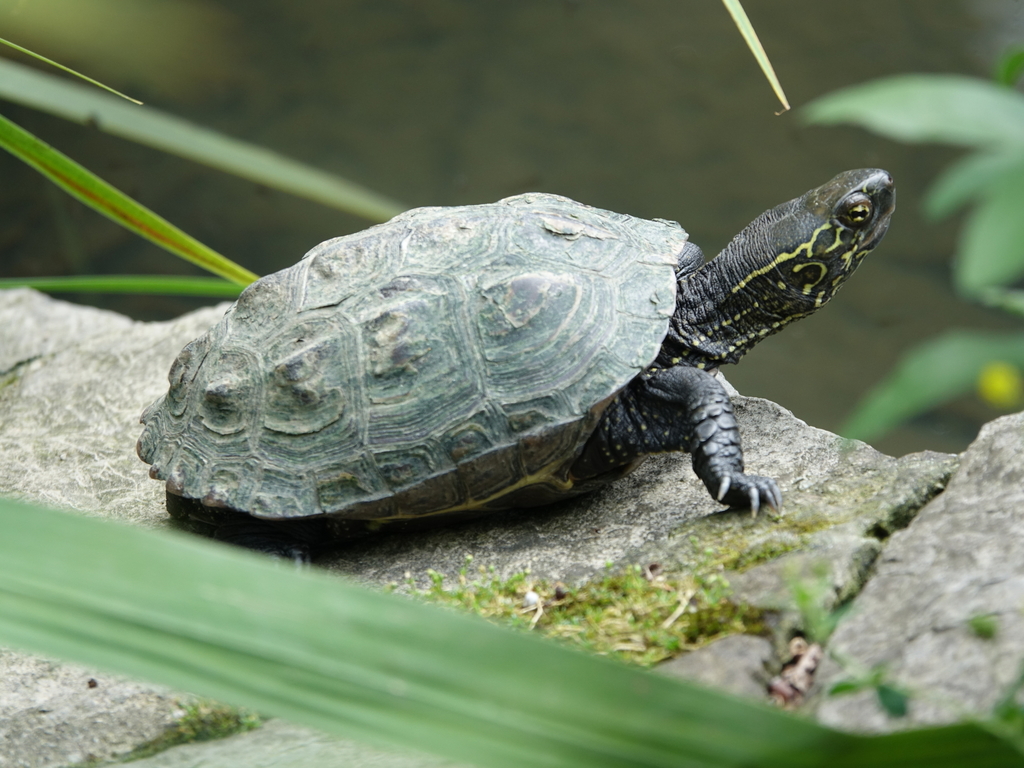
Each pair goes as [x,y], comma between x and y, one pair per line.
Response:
[855,211]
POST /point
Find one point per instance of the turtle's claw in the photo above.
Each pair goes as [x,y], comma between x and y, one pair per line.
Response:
[755,500]
[748,491]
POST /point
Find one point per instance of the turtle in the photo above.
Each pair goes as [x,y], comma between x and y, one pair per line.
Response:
[459,360]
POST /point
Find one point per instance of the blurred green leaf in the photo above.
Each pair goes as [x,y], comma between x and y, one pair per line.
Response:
[949,109]
[159,284]
[991,250]
[746,29]
[149,126]
[1008,300]
[848,686]
[893,701]
[811,593]
[969,179]
[1010,67]
[317,650]
[928,375]
[114,204]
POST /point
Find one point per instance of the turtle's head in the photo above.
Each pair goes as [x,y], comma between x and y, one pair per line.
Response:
[800,252]
[786,264]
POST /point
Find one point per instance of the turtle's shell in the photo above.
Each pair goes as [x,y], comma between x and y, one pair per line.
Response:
[441,362]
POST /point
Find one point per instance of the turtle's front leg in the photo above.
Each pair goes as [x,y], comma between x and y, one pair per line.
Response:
[678,409]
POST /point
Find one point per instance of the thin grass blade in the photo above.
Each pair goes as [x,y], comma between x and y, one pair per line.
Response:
[114,204]
[166,285]
[70,71]
[746,29]
[154,128]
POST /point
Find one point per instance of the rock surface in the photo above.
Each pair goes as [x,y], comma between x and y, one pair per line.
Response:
[738,664]
[961,560]
[55,714]
[73,381]
[278,744]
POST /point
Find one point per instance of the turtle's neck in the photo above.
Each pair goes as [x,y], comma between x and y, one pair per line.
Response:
[728,305]
[713,326]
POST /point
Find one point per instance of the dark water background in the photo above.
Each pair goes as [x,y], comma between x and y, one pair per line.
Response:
[650,108]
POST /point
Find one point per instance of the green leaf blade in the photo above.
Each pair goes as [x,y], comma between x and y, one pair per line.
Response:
[115,205]
[70,71]
[154,284]
[1008,300]
[749,34]
[172,134]
[948,109]
[893,701]
[323,652]
[846,687]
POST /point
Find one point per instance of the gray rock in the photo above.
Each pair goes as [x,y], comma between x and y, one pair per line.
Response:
[961,558]
[70,404]
[841,497]
[53,714]
[875,496]
[70,421]
[35,325]
[278,744]
[738,664]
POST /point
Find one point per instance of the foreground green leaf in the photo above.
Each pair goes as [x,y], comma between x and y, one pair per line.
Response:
[927,376]
[951,109]
[114,204]
[166,285]
[172,134]
[320,651]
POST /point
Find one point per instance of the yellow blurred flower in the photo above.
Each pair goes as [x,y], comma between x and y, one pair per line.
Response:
[1001,385]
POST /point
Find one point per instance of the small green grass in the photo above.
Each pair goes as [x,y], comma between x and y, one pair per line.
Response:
[7,380]
[639,615]
[741,543]
[763,552]
[985,626]
[203,720]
